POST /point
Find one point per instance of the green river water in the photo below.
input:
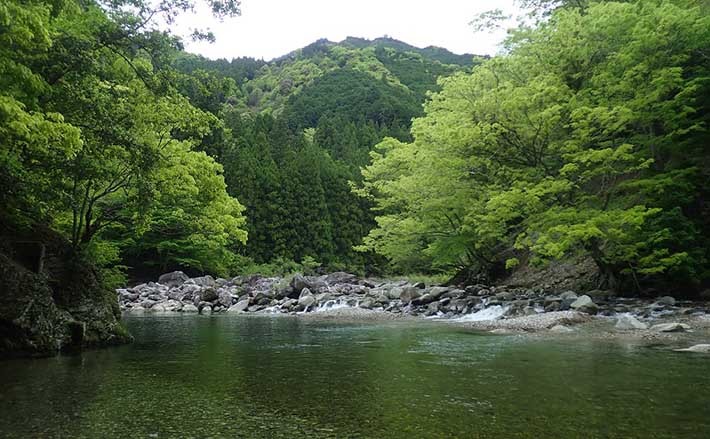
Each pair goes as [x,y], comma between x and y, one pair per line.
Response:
[283,377]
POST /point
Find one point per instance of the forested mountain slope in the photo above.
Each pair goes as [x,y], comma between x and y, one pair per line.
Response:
[295,132]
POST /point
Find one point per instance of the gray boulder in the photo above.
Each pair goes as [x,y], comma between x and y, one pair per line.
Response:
[666,300]
[209,295]
[204,281]
[306,298]
[393,292]
[670,327]
[189,308]
[176,294]
[435,292]
[627,322]
[225,299]
[568,295]
[367,303]
[585,305]
[240,306]
[340,277]
[298,283]
[409,293]
[174,279]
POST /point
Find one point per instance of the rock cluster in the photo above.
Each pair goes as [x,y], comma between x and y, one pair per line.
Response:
[304,294]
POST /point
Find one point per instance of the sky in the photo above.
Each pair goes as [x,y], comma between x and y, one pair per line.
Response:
[270,28]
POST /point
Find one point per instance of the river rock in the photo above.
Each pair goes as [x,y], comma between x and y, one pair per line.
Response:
[189,308]
[225,299]
[627,322]
[700,348]
[240,306]
[208,295]
[666,300]
[173,279]
[176,294]
[340,277]
[568,295]
[204,281]
[670,327]
[306,298]
[409,293]
[367,303]
[585,304]
[561,329]
[298,283]
[207,309]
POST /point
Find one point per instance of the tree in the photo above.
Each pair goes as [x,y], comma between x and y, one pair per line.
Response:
[584,138]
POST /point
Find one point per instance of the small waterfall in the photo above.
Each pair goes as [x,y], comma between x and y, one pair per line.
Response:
[494,312]
[333,304]
[276,309]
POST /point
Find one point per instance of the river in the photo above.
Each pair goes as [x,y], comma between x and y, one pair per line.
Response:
[284,377]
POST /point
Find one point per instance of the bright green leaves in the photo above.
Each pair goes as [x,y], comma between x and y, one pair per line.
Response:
[576,141]
[106,155]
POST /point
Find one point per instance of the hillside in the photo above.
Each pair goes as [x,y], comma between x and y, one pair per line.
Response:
[296,131]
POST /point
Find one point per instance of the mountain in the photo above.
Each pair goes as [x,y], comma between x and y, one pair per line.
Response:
[295,131]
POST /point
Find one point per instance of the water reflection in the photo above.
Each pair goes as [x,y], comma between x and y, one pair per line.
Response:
[238,376]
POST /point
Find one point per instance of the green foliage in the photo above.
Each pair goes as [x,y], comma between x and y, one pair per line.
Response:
[96,142]
[587,137]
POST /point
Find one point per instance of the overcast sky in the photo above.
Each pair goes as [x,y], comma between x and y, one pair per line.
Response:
[271,28]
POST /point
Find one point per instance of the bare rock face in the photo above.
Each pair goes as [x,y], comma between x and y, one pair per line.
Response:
[60,305]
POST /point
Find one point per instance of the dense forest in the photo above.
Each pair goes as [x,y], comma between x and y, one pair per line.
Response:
[587,136]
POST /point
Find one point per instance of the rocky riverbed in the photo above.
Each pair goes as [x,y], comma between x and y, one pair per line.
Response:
[347,297]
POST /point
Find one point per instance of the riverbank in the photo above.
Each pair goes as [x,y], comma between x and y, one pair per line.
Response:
[499,309]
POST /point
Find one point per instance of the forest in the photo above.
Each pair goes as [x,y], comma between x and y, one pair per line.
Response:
[587,136]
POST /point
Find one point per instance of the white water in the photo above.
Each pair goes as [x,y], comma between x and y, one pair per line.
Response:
[335,304]
[491,313]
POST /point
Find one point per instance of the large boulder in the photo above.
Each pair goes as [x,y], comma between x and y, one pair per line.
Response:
[204,281]
[189,308]
[297,284]
[666,301]
[306,298]
[173,279]
[240,306]
[340,277]
[585,304]
[627,322]
[208,295]
[224,298]
[409,293]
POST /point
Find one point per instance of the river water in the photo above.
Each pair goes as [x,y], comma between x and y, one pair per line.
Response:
[283,377]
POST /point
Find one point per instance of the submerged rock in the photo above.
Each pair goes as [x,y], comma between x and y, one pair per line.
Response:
[627,322]
[561,329]
[670,327]
[700,348]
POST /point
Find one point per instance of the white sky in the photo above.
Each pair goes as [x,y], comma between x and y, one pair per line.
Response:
[271,28]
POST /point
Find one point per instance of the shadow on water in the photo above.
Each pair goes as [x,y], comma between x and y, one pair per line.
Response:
[236,376]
